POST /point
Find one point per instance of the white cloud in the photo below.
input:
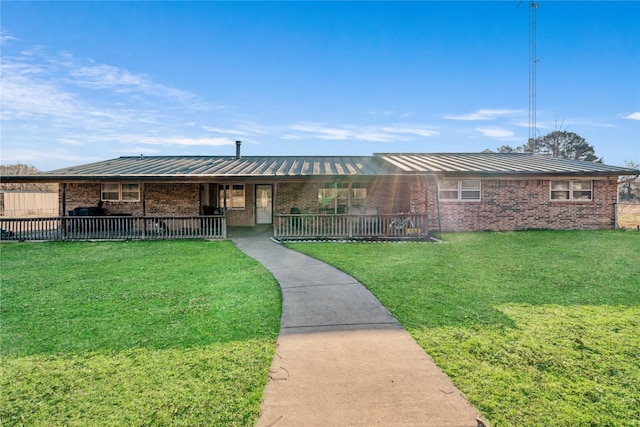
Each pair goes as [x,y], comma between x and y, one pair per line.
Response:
[495,132]
[324,132]
[243,130]
[35,83]
[410,130]
[358,133]
[30,155]
[24,94]
[633,116]
[485,114]
[4,37]
[182,141]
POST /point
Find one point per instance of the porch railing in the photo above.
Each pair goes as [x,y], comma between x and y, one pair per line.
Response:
[114,227]
[369,227]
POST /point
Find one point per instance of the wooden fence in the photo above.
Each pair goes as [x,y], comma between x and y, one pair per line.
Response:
[357,227]
[114,227]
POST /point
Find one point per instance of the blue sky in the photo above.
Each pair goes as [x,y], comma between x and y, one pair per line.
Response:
[88,81]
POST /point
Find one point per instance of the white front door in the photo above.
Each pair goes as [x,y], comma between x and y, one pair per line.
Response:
[264,204]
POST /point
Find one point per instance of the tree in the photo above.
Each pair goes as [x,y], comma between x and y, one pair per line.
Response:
[509,149]
[629,186]
[24,169]
[559,143]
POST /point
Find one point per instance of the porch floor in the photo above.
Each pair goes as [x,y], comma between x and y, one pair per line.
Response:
[265,230]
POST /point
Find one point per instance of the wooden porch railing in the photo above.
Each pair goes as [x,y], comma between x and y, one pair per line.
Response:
[114,227]
[365,227]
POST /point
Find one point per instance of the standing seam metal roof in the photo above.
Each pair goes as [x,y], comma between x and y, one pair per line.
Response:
[497,164]
[193,166]
[441,164]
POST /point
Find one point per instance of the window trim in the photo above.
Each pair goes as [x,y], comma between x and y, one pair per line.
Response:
[571,190]
[336,195]
[227,190]
[120,191]
[459,190]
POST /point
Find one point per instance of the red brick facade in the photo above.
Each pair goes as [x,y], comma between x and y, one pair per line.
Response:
[525,204]
[172,199]
[505,204]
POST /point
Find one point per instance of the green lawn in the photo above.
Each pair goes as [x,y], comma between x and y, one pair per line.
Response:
[134,333]
[536,328]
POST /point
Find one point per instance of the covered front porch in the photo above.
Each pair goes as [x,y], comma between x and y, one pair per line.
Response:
[285,227]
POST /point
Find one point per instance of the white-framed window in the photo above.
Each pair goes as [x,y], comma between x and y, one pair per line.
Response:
[465,190]
[231,196]
[120,192]
[337,197]
[573,191]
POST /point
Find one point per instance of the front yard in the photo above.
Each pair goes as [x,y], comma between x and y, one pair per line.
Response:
[536,328]
[134,333]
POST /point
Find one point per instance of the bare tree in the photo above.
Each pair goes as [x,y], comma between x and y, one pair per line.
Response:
[629,186]
[24,169]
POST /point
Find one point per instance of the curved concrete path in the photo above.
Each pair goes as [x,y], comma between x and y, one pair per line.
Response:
[342,359]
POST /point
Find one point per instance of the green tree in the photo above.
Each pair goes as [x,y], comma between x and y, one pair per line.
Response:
[559,143]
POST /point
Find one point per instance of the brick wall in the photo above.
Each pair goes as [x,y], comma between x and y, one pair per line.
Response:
[172,199]
[302,195]
[244,217]
[79,195]
[525,204]
[161,199]
[504,205]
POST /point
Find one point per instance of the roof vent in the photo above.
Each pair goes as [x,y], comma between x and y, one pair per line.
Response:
[238,143]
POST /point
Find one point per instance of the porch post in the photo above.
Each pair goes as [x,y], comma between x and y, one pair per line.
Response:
[143,196]
[63,213]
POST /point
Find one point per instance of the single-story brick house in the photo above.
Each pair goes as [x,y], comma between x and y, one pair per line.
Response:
[452,191]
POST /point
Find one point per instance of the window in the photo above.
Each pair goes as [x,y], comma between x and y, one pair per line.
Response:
[231,196]
[358,194]
[461,190]
[337,197]
[572,190]
[116,192]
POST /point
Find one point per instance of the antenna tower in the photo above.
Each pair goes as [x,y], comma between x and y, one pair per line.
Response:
[533,60]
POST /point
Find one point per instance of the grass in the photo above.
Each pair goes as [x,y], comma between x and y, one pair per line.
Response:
[536,328]
[134,333]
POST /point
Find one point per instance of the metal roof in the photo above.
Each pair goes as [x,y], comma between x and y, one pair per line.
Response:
[485,164]
[186,167]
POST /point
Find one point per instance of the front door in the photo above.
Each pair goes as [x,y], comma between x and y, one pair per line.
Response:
[264,204]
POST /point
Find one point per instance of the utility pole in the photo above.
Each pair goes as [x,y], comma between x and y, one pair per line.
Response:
[533,60]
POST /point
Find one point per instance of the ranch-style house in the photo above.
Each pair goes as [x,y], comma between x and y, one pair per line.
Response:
[383,196]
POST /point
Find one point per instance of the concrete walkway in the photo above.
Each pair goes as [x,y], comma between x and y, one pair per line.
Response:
[342,359]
